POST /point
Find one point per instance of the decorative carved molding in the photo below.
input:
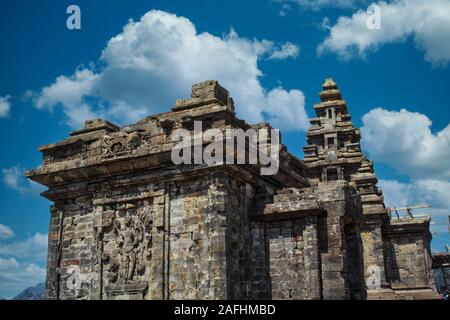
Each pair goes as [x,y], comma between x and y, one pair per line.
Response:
[120,144]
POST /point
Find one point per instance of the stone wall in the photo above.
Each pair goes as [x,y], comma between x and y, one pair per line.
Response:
[197,247]
[72,248]
[409,258]
[287,255]
[320,224]
[205,238]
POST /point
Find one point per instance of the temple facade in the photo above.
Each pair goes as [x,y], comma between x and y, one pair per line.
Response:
[128,223]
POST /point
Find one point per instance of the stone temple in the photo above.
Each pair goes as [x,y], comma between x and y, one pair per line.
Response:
[127,223]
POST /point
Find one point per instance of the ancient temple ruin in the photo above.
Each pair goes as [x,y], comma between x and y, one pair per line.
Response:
[127,223]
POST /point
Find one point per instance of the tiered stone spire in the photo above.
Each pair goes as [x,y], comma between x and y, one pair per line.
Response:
[331,134]
[334,152]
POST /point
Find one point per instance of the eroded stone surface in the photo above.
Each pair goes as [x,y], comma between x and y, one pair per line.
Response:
[127,223]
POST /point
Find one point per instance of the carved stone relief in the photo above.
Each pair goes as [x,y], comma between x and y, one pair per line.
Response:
[127,245]
[120,144]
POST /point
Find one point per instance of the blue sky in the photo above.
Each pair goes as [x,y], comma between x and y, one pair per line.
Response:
[274,49]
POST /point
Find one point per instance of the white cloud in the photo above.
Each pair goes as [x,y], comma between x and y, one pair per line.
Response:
[427,191]
[16,276]
[5,106]
[11,177]
[19,262]
[5,232]
[287,50]
[428,22]
[34,247]
[154,61]
[69,92]
[289,105]
[395,193]
[14,179]
[434,192]
[404,140]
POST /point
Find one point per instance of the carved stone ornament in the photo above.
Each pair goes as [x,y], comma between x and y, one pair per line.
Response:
[120,144]
[129,248]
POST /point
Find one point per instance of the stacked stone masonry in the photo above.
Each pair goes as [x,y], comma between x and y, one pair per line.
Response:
[126,223]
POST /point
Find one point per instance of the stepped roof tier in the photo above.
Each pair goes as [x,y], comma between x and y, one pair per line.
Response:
[333,150]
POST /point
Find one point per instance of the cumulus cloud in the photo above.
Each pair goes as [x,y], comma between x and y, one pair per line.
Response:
[434,192]
[155,60]
[70,92]
[14,179]
[287,50]
[426,191]
[20,262]
[5,232]
[285,102]
[427,22]
[16,276]
[34,247]
[404,140]
[5,106]
[11,177]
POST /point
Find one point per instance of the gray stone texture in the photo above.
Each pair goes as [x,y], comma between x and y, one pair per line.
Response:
[126,223]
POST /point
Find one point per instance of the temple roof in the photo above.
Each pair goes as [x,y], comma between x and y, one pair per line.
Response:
[329,84]
[104,149]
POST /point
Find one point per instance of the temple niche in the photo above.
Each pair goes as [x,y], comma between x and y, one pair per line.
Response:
[126,247]
[127,223]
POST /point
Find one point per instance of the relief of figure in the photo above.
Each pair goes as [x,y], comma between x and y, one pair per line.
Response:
[145,222]
[128,251]
[128,239]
